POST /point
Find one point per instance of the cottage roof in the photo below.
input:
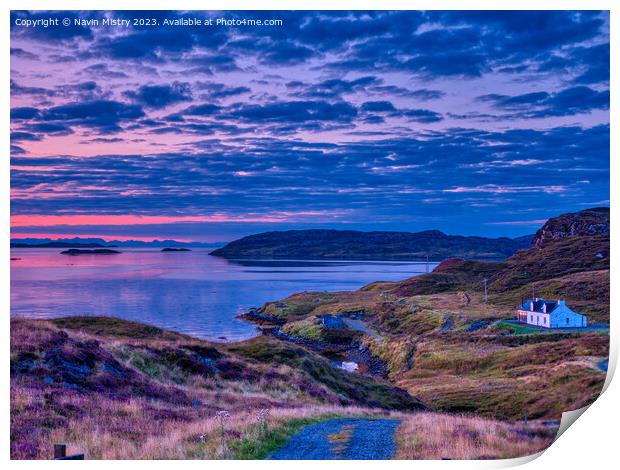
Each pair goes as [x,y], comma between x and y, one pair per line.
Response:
[539,305]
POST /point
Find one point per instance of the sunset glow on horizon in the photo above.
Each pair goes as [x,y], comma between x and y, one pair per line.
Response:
[473,123]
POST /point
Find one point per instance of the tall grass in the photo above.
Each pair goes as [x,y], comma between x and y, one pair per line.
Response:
[114,397]
[144,429]
[426,436]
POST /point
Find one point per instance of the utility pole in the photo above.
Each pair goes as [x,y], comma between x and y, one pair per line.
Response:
[485,290]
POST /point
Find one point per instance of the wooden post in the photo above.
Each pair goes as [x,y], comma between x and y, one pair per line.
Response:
[60,451]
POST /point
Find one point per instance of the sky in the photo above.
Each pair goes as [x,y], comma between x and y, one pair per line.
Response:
[473,123]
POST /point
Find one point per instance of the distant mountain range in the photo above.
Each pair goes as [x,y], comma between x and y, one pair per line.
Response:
[55,244]
[354,245]
[78,242]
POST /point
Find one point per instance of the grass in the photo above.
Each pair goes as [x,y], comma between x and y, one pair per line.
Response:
[516,328]
[312,329]
[315,370]
[127,397]
[340,440]
[260,445]
[111,326]
[539,376]
[502,370]
[451,275]
[308,328]
[558,258]
[396,353]
[586,292]
[297,306]
[441,436]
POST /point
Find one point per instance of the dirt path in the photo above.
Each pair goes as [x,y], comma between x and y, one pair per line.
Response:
[342,439]
[362,326]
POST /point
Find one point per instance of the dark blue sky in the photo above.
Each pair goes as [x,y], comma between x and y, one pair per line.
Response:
[469,122]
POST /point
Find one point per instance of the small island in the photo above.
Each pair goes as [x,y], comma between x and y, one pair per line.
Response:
[175,249]
[98,251]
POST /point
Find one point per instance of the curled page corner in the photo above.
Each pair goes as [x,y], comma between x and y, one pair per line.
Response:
[568,418]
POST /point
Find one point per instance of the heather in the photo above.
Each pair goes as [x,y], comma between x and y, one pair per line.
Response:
[114,395]
[119,390]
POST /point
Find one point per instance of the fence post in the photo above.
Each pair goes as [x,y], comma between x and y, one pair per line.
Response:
[60,451]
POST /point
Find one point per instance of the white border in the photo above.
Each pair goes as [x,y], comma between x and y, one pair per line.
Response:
[590,444]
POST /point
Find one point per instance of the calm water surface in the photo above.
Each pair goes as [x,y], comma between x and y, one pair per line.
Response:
[190,292]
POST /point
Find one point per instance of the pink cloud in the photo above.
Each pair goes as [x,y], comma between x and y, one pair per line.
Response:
[54,220]
[39,220]
[122,238]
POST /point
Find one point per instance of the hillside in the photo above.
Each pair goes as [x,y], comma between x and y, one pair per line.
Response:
[555,258]
[445,344]
[569,258]
[354,245]
[115,389]
[89,370]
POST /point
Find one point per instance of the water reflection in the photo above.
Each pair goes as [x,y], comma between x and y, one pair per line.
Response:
[190,292]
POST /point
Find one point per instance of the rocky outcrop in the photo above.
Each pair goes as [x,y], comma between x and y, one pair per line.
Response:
[588,222]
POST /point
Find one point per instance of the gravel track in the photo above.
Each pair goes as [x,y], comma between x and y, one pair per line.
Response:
[342,439]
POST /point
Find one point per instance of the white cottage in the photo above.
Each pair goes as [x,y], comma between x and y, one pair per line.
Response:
[550,314]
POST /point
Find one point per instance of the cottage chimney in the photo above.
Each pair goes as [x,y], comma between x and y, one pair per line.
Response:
[544,307]
[561,302]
